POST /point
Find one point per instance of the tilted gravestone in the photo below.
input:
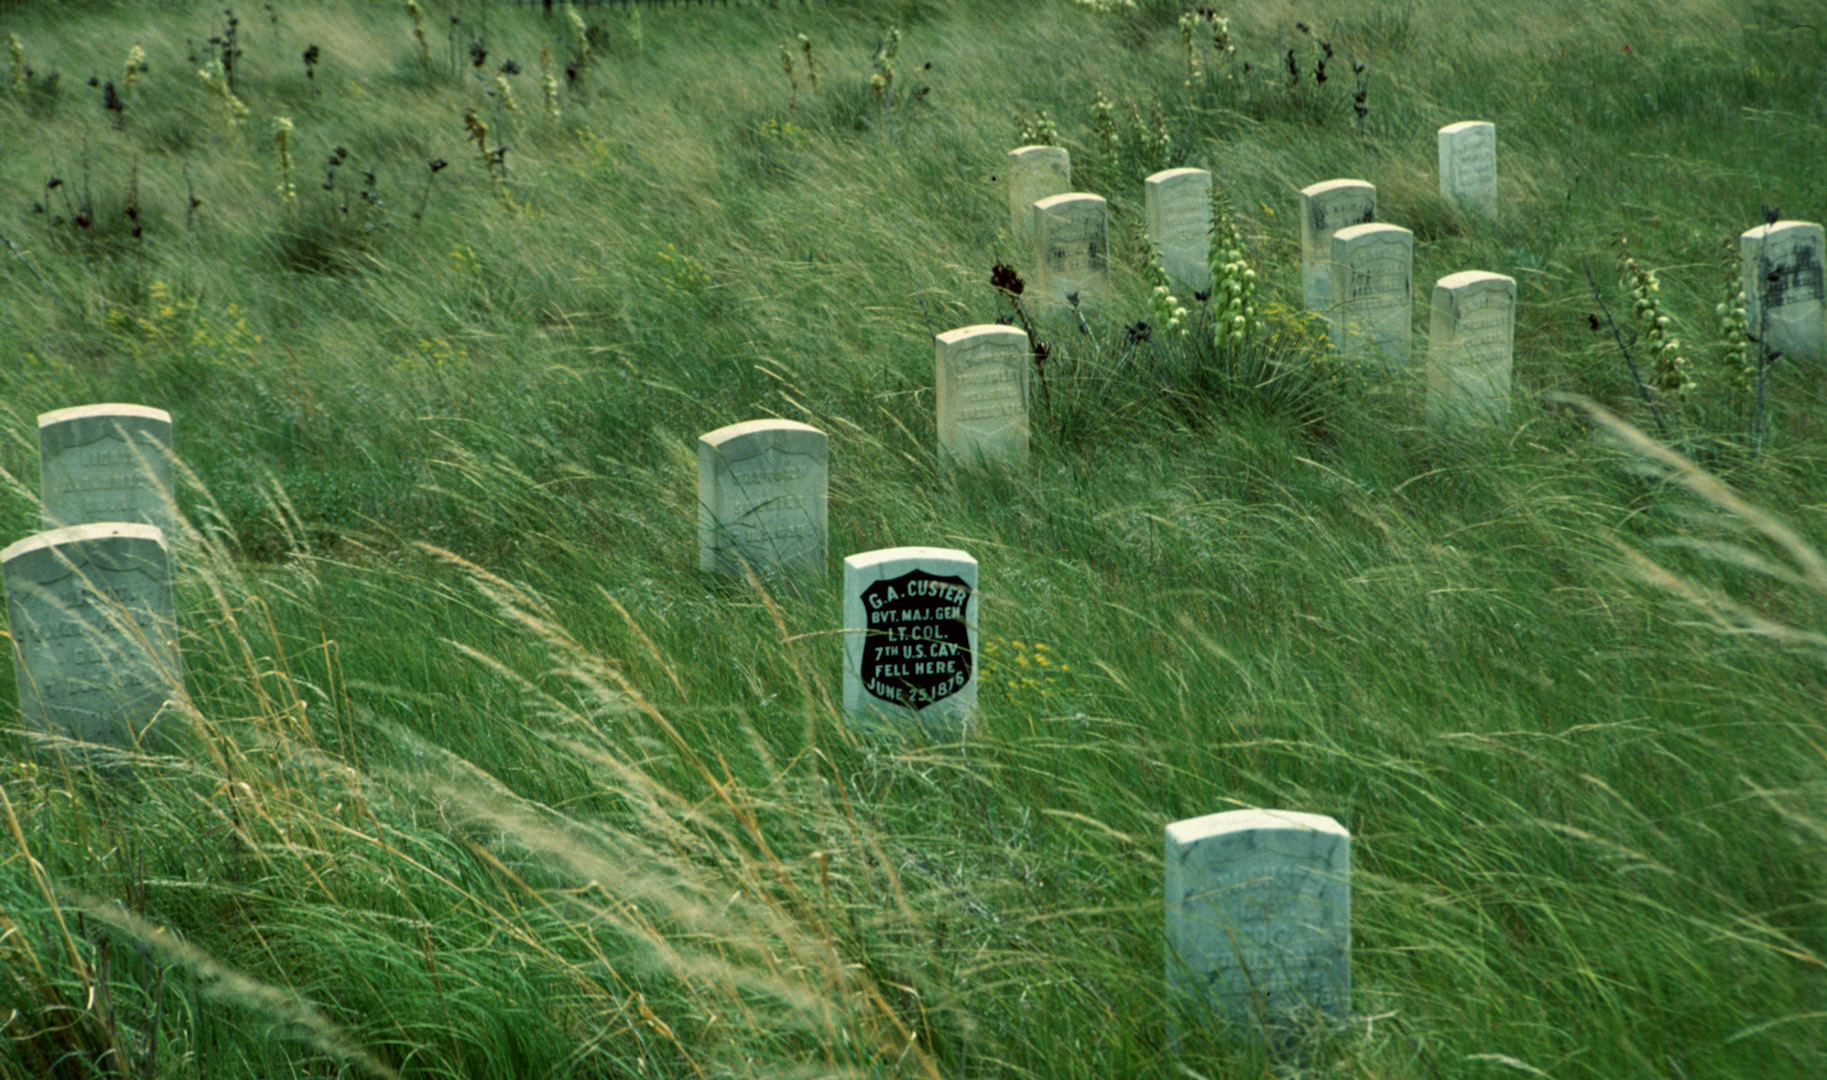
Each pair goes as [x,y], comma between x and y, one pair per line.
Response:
[1179,210]
[910,636]
[1468,166]
[1035,173]
[1470,349]
[1259,917]
[981,376]
[94,632]
[1372,278]
[762,500]
[107,463]
[1071,250]
[1325,209]
[1781,267]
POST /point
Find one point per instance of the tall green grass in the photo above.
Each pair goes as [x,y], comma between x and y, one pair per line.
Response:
[476,778]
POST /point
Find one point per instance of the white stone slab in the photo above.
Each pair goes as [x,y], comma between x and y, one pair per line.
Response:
[981,376]
[1259,916]
[1372,278]
[1468,166]
[1035,173]
[762,488]
[1071,250]
[107,463]
[1325,209]
[1179,209]
[95,643]
[1470,349]
[1783,288]
[910,636]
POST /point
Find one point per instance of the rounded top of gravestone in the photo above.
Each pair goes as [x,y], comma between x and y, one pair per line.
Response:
[749,428]
[1467,278]
[86,412]
[1015,336]
[1467,125]
[866,560]
[1166,176]
[1068,200]
[1332,187]
[1374,228]
[1038,151]
[1763,231]
[74,534]
[1193,830]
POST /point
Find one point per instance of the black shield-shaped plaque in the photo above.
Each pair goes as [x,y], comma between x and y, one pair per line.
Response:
[917,651]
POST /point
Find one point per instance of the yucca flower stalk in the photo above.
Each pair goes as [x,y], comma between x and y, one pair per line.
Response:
[1103,125]
[16,49]
[216,80]
[1189,37]
[1667,367]
[1036,128]
[135,66]
[1165,312]
[1735,330]
[549,81]
[418,30]
[282,148]
[504,92]
[580,35]
[1233,280]
[786,65]
[882,82]
[635,32]
[805,48]
[477,129]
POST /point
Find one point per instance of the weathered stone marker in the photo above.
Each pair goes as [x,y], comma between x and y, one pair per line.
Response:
[1035,173]
[910,640]
[981,375]
[1783,288]
[107,463]
[1468,166]
[1071,250]
[1470,349]
[1179,206]
[1372,278]
[761,499]
[95,642]
[1325,209]
[1259,916]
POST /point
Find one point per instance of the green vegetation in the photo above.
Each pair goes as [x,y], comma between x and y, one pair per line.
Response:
[478,779]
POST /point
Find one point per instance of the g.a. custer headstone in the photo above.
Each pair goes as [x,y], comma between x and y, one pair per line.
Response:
[910,636]
[95,646]
[762,488]
[1326,208]
[981,376]
[1035,173]
[1372,293]
[1178,204]
[107,463]
[1782,279]
[1258,917]
[1071,250]
[1468,166]
[1470,349]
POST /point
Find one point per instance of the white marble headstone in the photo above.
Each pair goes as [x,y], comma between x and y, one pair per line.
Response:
[1071,250]
[910,636]
[1259,916]
[1035,173]
[981,375]
[107,463]
[1470,349]
[95,642]
[1372,278]
[1179,209]
[1325,209]
[1783,288]
[762,499]
[1468,166]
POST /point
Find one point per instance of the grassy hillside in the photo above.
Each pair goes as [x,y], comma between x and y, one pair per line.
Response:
[477,778]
